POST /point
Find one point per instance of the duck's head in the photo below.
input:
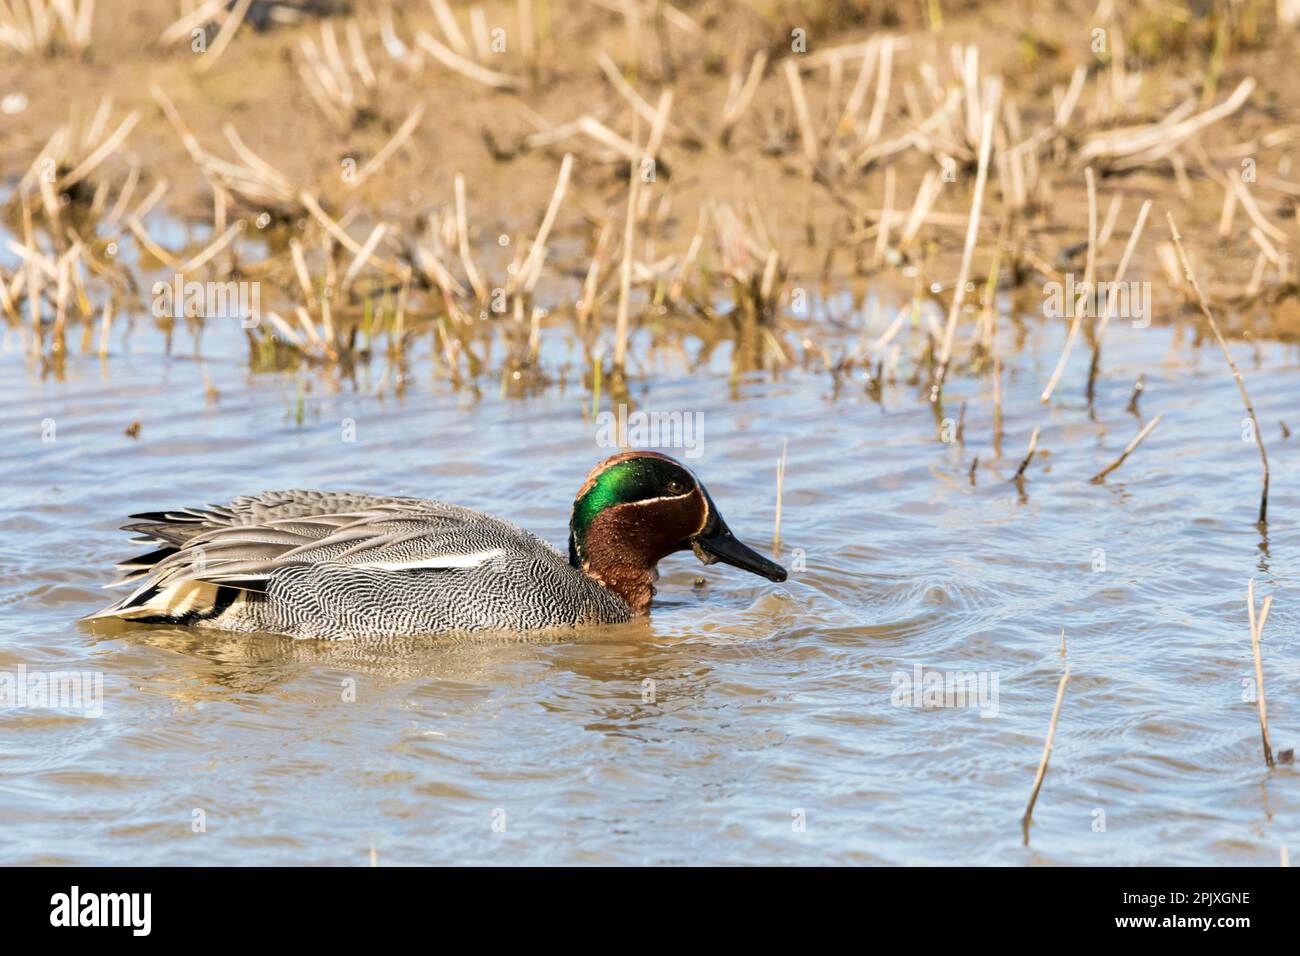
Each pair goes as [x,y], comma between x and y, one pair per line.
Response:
[637,508]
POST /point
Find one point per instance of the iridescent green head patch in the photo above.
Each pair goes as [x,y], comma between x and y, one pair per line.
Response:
[623,482]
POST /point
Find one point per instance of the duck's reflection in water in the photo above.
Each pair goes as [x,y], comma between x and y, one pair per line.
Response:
[635,667]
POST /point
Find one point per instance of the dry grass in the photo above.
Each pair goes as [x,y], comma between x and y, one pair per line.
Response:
[46,27]
[937,171]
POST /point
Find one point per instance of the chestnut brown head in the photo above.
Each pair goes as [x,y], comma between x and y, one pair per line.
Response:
[638,507]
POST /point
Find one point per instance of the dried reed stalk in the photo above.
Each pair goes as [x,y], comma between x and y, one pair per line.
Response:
[213,249]
[877,119]
[192,20]
[1029,455]
[450,28]
[227,33]
[1089,275]
[807,134]
[1137,440]
[101,153]
[105,326]
[336,231]
[997,404]
[462,240]
[1190,277]
[1127,257]
[403,133]
[1129,149]
[363,255]
[886,217]
[527,277]
[734,109]
[625,270]
[467,68]
[1256,633]
[780,489]
[29,26]
[1047,753]
[624,88]
[300,270]
[968,251]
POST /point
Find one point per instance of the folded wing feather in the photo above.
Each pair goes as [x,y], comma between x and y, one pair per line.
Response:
[242,544]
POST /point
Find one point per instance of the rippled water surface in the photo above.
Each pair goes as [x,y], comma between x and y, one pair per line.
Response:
[746,722]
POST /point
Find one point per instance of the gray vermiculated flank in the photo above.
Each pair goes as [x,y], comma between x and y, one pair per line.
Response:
[315,553]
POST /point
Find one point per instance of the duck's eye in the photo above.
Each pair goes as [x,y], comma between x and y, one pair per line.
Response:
[676,487]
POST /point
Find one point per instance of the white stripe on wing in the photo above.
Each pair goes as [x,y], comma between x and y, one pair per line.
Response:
[444,561]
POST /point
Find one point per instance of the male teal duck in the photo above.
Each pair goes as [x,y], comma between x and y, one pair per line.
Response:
[337,565]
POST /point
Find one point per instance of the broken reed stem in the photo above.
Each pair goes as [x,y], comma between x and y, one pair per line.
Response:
[467,68]
[362,256]
[300,270]
[806,132]
[597,369]
[528,31]
[462,241]
[658,126]
[102,152]
[450,28]
[532,269]
[1257,632]
[858,96]
[1029,456]
[735,108]
[877,119]
[972,233]
[1088,276]
[1124,260]
[780,488]
[393,145]
[33,278]
[1101,475]
[189,21]
[591,285]
[886,215]
[1100,334]
[997,400]
[1047,753]
[227,33]
[213,249]
[624,88]
[360,61]
[1190,276]
[105,326]
[625,268]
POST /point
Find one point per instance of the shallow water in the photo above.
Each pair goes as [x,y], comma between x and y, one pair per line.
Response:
[747,722]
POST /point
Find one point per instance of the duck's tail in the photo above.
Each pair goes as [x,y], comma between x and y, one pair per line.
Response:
[184,602]
[163,595]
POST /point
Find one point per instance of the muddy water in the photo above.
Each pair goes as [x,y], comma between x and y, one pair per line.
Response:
[746,722]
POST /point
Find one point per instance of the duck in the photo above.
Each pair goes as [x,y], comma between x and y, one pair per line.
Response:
[344,565]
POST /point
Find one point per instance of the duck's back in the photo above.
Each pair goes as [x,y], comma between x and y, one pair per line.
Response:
[336,565]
